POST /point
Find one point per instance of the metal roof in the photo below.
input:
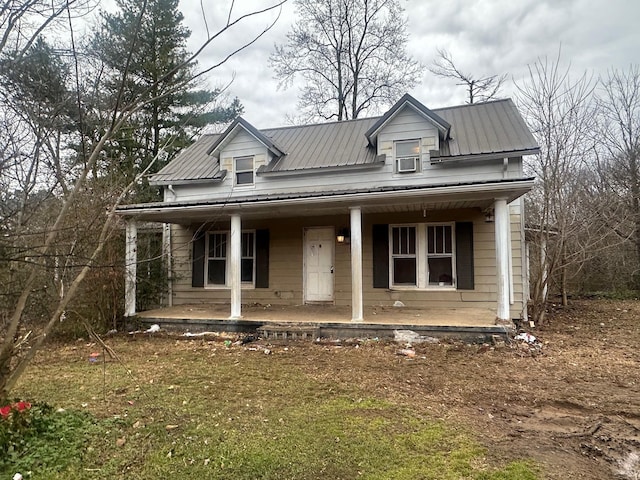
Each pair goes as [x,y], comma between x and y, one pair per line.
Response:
[191,164]
[481,129]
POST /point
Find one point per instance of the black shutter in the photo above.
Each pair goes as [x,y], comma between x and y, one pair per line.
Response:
[381,256]
[464,256]
[197,260]
[262,258]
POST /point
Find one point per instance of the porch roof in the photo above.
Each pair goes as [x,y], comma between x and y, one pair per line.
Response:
[375,199]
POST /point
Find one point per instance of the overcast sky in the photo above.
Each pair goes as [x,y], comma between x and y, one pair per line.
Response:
[484,37]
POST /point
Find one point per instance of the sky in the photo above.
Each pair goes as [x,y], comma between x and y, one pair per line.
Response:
[485,37]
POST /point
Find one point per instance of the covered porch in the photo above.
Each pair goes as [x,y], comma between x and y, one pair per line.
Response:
[294,214]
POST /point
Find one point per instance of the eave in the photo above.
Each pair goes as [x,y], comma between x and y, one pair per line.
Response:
[470,195]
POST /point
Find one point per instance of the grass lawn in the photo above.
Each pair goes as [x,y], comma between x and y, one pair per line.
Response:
[199,409]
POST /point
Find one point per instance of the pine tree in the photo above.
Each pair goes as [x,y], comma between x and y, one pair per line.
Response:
[175,109]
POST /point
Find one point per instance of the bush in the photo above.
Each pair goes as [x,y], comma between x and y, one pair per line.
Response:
[39,438]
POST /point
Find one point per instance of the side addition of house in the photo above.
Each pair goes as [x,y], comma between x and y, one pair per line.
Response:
[419,206]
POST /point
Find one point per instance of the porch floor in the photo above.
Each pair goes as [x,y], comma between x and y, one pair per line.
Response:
[473,325]
[322,314]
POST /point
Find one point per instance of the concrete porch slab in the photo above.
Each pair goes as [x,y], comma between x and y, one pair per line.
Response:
[470,324]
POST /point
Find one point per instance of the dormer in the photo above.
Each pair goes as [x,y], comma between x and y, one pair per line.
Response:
[409,134]
[241,150]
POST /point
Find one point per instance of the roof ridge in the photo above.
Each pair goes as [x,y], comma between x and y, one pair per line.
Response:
[321,124]
[465,105]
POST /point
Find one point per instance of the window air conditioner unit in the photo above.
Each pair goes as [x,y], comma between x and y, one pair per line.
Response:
[407,164]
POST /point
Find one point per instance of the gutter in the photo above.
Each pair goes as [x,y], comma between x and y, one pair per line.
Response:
[494,188]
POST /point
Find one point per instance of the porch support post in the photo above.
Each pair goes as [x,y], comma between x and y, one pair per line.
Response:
[501,211]
[356,264]
[131,260]
[166,252]
[234,267]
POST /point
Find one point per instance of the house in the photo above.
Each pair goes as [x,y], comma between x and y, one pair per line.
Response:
[420,206]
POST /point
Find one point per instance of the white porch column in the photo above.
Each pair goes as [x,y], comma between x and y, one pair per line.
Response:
[166,252]
[131,260]
[234,266]
[356,264]
[501,212]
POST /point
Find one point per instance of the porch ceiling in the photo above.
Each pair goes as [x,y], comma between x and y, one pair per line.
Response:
[459,196]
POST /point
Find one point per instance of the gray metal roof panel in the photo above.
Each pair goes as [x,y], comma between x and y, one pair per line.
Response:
[323,145]
[479,129]
[192,163]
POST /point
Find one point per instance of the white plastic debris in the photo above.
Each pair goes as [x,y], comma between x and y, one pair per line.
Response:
[398,303]
[153,328]
[17,476]
[525,337]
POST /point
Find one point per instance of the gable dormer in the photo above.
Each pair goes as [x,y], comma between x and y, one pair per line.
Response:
[409,133]
[242,149]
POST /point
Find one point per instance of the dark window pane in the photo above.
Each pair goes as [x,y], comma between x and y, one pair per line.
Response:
[439,239]
[411,232]
[396,240]
[247,244]
[247,270]
[217,272]
[440,271]
[244,178]
[447,239]
[431,239]
[404,271]
[245,163]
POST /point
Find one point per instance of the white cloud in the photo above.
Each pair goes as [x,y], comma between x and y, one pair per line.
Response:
[484,36]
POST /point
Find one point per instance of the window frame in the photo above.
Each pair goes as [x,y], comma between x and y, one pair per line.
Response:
[251,170]
[226,285]
[422,257]
[393,256]
[451,255]
[398,158]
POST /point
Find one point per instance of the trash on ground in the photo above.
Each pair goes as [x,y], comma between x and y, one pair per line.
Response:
[398,303]
[410,337]
[525,337]
[153,328]
[407,352]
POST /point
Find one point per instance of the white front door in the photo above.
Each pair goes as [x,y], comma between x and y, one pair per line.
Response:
[318,264]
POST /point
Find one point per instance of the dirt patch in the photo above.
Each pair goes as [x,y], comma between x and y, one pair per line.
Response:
[572,404]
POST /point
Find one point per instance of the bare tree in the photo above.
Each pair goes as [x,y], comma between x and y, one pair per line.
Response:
[351,54]
[619,102]
[565,229]
[479,89]
[18,344]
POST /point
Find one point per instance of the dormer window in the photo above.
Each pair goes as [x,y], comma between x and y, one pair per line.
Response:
[407,156]
[243,170]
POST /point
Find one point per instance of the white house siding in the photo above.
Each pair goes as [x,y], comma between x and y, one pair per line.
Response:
[406,125]
[286,264]
[360,179]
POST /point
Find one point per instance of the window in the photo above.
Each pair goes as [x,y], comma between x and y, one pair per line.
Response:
[440,255]
[218,258]
[403,256]
[243,168]
[247,262]
[422,255]
[407,156]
